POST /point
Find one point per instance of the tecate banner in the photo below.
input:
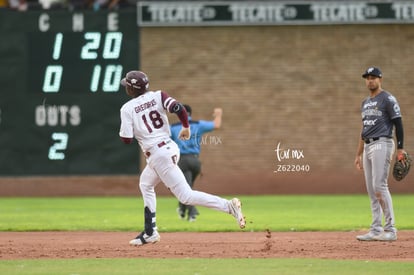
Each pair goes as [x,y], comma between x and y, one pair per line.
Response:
[177,13]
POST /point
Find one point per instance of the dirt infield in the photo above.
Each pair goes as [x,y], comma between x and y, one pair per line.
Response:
[244,244]
[323,245]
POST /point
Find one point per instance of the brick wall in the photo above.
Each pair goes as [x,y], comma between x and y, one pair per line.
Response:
[296,86]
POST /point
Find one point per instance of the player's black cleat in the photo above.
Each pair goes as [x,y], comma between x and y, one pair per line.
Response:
[143,238]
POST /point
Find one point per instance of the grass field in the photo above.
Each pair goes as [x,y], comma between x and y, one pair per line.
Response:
[277,213]
[202,267]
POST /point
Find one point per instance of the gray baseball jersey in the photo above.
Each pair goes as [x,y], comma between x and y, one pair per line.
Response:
[377,113]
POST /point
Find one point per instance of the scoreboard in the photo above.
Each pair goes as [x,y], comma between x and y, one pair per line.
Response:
[60,92]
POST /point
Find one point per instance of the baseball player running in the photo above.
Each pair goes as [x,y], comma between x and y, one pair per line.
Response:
[380,113]
[144,118]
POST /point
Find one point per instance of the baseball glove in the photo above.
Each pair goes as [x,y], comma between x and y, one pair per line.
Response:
[401,166]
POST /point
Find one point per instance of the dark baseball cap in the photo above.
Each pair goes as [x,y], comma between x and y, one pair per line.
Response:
[372,71]
[188,108]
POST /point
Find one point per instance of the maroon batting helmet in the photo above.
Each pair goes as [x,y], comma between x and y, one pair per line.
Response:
[137,80]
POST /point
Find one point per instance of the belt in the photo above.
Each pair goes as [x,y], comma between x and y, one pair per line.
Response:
[161,144]
[370,140]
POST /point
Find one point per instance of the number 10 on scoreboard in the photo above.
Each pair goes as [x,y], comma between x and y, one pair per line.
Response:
[112,73]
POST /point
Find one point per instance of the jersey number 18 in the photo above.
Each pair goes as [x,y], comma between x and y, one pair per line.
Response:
[155,120]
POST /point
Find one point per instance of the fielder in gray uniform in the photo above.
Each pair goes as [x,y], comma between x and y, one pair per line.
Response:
[380,113]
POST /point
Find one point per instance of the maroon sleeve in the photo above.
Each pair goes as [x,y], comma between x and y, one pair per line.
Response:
[183,116]
[165,99]
[126,140]
[173,106]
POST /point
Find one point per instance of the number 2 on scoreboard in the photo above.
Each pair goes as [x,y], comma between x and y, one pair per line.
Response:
[60,144]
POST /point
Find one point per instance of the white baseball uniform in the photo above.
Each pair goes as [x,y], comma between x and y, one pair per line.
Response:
[145,119]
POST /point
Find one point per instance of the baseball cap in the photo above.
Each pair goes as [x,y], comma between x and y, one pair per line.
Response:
[372,71]
[188,108]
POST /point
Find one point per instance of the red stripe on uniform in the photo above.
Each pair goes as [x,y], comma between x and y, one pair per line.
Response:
[167,101]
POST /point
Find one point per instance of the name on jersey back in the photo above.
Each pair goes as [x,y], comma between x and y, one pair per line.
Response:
[145,106]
